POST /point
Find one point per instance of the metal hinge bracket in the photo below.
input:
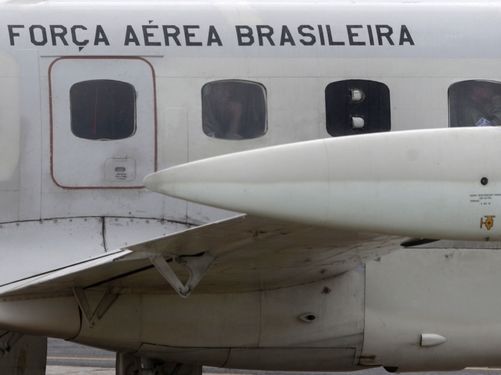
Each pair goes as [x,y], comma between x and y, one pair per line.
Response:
[197,267]
[104,304]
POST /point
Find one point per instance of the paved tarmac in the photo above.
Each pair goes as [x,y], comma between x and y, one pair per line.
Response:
[65,370]
[69,370]
[65,358]
[62,353]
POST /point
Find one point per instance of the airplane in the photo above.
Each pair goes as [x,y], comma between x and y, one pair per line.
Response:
[274,185]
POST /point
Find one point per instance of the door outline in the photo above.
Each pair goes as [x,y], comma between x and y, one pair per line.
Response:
[51,116]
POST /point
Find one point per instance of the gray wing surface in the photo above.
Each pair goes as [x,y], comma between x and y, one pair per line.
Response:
[246,254]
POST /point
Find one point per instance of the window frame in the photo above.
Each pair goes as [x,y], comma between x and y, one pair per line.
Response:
[454,120]
[333,101]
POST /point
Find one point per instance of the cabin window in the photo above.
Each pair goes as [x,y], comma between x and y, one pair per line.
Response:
[103,110]
[234,109]
[357,107]
[475,103]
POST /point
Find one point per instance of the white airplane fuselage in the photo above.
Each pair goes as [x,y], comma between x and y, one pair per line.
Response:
[65,199]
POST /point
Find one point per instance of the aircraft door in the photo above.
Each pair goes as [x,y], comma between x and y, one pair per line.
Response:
[103,122]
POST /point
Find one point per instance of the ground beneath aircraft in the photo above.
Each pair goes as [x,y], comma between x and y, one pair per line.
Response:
[64,370]
[65,358]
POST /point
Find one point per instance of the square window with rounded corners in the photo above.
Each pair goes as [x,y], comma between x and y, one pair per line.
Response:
[234,109]
[475,103]
[357,106]
[103,110]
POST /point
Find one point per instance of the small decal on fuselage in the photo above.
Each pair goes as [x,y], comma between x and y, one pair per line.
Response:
[487,222]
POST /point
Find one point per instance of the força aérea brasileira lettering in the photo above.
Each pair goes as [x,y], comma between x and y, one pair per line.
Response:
[151,35]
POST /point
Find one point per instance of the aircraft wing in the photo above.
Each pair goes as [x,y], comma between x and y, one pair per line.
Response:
[243,253]
[311,215]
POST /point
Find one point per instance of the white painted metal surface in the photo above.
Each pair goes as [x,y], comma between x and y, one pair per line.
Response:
[10,147]
[39,246]
[450,291]
[438,184]
[247,309]
[432,339]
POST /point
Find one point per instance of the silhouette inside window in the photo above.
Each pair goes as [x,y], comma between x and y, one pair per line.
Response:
[357,107]
[475,103]
[103,110]
[234,109]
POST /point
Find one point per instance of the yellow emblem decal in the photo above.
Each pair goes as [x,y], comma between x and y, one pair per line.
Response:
[487,222]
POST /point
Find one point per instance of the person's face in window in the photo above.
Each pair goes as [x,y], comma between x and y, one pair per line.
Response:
[221,94]
[481,93]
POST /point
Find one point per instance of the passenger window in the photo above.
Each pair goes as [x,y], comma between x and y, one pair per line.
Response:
[234,109]
[475,103]
[103,110]
[357,107]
